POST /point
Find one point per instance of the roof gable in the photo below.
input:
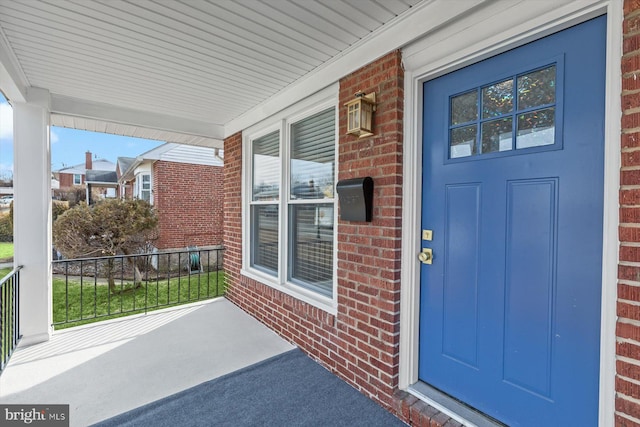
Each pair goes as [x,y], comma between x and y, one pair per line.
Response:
[97,165]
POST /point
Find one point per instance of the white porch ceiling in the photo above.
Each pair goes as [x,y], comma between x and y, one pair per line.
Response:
[177,70]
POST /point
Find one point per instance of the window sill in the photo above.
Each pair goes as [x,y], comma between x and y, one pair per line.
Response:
[323,303]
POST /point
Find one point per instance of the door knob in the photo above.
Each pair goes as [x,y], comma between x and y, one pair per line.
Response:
[426,256]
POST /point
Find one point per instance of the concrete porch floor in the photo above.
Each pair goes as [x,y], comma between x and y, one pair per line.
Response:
[105,369]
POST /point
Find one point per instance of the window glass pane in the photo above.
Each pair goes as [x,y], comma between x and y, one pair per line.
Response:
[537,88]
[463,142]
[536,128]
[266,167]
[311,246]
[77,179]
[464,108]
[354,116]
[146,182]
[313,156]
[497,135]
[264,242]
[497,99]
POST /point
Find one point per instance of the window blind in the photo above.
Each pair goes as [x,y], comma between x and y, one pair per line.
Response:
[266,167]
[268,145]
[313,139]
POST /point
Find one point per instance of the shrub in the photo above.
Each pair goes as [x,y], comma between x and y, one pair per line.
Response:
[6,226]
[58,208]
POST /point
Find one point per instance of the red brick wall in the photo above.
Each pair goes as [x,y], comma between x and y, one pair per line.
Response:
[128,189]
[369,253]
[360,343]
[628,326]
[189,200]
[233,215]
[66,180]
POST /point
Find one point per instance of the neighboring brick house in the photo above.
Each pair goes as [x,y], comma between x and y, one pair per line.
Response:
[184,184]
[122,166]
[74,176]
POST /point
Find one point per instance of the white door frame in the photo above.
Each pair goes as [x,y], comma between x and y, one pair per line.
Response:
[487,31]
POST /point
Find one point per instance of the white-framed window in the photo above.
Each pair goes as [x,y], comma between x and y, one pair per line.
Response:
[290,197]
[77,179]
[142,187]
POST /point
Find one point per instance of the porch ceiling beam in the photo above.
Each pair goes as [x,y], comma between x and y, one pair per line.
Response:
[414,24]
[13,82]
[206,133]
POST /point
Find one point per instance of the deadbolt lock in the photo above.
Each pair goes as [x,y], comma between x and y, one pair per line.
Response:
[426,256]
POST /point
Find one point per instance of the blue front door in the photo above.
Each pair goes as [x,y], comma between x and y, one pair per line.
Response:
[513,197]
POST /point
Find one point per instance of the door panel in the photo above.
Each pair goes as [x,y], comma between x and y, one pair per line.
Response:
[512,189]
[530,275]
[460,305]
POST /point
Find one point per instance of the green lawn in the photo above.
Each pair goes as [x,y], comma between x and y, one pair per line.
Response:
[96,303]
[6,250]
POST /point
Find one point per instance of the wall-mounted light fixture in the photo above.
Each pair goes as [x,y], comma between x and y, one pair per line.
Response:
[360,114]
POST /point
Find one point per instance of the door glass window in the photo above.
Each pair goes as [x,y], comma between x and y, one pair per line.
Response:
[497,99]
[537,88]
[536,128]
[497,135]
[464,108]
[515,113]
[463,141]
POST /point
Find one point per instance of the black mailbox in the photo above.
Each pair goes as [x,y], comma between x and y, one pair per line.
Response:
[356,198]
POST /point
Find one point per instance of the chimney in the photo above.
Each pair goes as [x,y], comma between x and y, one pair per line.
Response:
[88,162]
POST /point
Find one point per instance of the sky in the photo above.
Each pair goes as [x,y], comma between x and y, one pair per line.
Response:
[68,146]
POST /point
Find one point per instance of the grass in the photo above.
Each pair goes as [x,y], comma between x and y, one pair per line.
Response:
[92,302]
[6,250]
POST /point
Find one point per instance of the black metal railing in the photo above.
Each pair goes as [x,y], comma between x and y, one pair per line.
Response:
[90,289]
[9,315]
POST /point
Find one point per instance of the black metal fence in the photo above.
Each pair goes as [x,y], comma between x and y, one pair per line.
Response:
[9,315]
[90,289]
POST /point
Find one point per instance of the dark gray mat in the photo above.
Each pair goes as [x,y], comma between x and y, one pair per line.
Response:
[286,390]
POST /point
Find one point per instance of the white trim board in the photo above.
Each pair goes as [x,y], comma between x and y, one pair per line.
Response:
[486,31]
[100,117]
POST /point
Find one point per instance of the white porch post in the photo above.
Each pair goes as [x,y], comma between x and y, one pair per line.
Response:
[32,213]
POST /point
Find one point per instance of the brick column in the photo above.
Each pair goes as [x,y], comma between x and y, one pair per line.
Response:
[628,326]
[233,212]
